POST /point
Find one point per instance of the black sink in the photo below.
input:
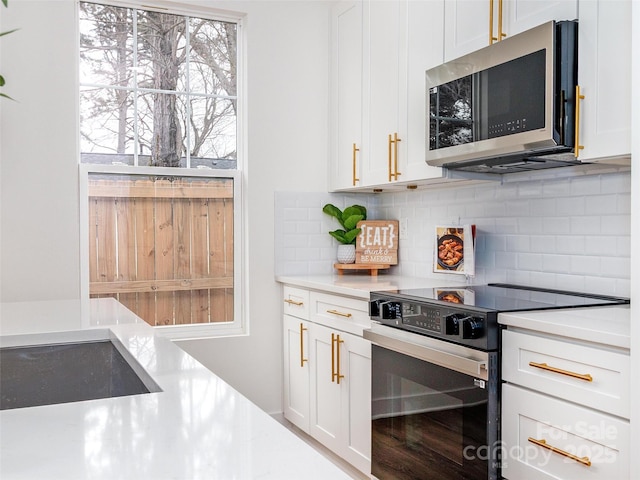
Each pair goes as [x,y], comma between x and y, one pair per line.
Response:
[66,372]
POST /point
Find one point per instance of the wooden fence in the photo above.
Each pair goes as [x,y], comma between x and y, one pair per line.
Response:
[163,247]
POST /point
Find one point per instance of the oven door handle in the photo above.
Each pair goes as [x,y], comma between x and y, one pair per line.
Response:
[453,357]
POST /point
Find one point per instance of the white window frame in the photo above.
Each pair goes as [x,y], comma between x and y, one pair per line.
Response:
[239,325]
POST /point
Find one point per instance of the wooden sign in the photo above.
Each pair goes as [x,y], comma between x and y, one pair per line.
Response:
[377,242]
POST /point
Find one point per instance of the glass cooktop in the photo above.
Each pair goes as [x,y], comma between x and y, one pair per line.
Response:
[503,297]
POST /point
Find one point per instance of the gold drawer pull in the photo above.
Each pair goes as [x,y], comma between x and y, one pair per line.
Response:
[582,376]
[543,443]
[335,312]
[293,302]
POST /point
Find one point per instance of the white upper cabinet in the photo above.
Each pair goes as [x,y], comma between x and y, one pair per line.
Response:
[383,75]
[379,111]
[604,77]
[346,89]
[473,24]
[402,40]
[424,50]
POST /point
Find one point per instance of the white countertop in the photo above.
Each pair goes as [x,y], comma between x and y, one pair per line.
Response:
[197,427]
[359,286]
[605,325]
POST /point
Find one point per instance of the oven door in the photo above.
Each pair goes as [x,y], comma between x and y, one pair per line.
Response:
[435,409]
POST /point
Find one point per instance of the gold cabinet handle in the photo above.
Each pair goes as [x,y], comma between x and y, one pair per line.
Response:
[293,302]
[491,37]
[395,156]
[335,358]
[336,312]
[543,443]
[582,376]
[355,176]
[389,157]
[578,147]
[302,359]
[501,33]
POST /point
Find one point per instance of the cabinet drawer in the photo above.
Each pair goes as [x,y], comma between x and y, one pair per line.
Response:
[547,365]
[342,313]
[573,442]
[296,302]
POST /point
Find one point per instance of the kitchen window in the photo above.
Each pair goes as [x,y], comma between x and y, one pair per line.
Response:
[160,151]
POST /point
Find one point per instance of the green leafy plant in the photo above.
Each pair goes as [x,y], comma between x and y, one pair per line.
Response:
[348,220]
[2,81]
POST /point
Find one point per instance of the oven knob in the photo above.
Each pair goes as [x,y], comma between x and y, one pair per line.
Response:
[472,327]
[390,310]
[374,308]
[452,323]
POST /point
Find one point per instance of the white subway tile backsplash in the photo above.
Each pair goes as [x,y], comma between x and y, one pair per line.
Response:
[586,265]
[616,225]
[556,263]
[568,233]
[587,225]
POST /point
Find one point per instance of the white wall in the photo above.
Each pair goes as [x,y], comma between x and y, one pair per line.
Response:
[287,64]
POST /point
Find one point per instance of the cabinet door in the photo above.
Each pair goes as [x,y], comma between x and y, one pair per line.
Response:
[521,15]
[604,75]
[355,365]
[325,392]
[296,372]
[341,407]
[466,27]
[424,50]
[544,438]
[346,87]
[382,81]
[470,24]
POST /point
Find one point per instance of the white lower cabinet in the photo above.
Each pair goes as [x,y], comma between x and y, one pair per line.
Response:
[340,411]
[327,375]
[565,409]
[548,438]
[296,372]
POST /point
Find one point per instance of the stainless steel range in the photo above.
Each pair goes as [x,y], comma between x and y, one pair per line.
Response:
[436,376]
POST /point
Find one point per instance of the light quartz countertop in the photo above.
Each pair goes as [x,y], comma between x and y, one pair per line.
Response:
[197,427]
[604,325]
[359,286]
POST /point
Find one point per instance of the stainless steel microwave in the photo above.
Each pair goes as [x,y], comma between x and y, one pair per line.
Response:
[509,107]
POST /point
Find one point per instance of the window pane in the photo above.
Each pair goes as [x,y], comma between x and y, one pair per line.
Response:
[106,126]
[160,130]
[106,45]
[161,51]
[163,246]
[213,132]
[212,65]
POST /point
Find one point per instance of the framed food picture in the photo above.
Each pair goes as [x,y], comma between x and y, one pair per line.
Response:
[455,249]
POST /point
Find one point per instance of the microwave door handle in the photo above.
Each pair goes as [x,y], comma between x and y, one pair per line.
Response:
[431,354]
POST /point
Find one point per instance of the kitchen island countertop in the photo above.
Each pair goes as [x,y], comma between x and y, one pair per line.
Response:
[197,427]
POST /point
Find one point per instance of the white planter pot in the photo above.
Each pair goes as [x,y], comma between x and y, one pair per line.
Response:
[346,253]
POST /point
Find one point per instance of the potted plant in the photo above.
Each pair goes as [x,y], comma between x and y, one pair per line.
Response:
[348,220]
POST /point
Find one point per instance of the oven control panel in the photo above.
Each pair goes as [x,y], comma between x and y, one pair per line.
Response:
[454,324]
